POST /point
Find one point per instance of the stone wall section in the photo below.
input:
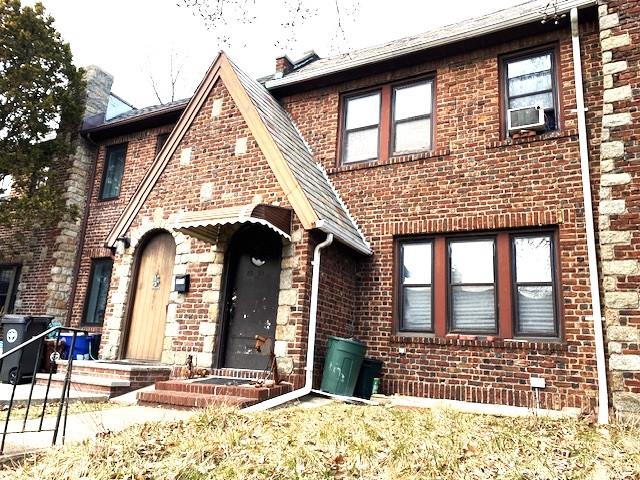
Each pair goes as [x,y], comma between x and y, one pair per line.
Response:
[66,244]
[619,214]
[47,257]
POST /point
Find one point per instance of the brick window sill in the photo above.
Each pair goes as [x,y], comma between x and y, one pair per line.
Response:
[483,342]
[395,159]
[507,142]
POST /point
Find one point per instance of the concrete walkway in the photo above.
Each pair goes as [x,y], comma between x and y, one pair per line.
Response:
[88,425]
[22,394]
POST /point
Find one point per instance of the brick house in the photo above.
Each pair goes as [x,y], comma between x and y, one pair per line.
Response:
[469,256]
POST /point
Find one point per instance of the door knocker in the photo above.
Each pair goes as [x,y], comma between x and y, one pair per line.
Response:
[155,282]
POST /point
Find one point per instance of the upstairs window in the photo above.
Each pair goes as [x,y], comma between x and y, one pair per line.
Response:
[412,117]
[6,182]
[394,119]
[160,141]
[530,82]
[96,302]
[361,128]
[113,171]
[8,287]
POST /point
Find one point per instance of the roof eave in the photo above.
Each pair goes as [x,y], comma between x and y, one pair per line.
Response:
[167,115]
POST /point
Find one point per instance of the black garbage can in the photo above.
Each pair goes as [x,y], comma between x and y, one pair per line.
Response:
[370,369]
[17,329]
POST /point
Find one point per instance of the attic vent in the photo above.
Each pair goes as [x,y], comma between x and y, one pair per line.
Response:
[527,118]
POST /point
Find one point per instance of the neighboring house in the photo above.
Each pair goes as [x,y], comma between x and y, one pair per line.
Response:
[462,254]
[36,274]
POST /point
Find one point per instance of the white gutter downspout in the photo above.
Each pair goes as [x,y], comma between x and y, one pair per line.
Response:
[311,338]
[603,394]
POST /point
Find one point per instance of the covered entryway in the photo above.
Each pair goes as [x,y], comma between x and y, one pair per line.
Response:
[153,281]
[251,296]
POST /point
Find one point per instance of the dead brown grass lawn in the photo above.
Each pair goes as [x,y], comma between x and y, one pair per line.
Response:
[348,442]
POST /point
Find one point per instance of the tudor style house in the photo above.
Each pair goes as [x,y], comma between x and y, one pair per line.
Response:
[473,192]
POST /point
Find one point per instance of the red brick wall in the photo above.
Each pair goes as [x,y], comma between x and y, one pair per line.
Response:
[473,181]
[337,293]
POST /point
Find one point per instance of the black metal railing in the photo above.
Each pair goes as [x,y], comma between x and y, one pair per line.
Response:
[16,376]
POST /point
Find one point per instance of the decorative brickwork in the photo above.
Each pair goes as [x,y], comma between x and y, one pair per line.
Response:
[619,217]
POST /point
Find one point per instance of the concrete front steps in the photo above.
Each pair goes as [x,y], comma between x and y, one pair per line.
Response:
[197,394]
[106,378]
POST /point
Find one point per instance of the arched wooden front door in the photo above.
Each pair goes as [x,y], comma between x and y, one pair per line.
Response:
[251,300]
[151,296]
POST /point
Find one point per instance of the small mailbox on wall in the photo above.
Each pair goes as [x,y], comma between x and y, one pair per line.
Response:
[181,283]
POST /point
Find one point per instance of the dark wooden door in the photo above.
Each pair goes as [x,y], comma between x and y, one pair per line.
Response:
[149,312]
[251,296]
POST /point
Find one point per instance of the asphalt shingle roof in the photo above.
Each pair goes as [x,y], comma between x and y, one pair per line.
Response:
[310,175]
[513,16]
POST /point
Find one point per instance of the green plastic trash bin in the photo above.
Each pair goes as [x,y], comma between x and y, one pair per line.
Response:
[342,365]
[370,369]
[17,329]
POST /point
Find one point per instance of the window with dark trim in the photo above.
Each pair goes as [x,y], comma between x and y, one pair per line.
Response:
[416,295]
[533,292]
[9,275]
[96,300]
[500,284]
[412,104]
[530,81]
[361,127]
[472,286]
[113,171]
[393,119]
[160,141]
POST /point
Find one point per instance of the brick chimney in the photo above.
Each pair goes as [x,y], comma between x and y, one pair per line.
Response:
[283,66]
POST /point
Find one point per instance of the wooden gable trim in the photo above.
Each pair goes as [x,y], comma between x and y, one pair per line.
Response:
[267,144]
[221,68]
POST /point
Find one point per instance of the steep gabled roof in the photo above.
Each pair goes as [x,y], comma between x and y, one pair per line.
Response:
[515,16]
[307,187]
[318,189]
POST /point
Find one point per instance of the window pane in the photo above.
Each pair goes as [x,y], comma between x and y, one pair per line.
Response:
[525,66]
[412,101]
[416,263]
[416,308]
[361,145]
[543,99]
[535,310]
[98,291]
[6,182]
[535,82]
[472,261]
[363,111]
[474,309]
[414,135]
[114,168]
[7,282]
[533,259]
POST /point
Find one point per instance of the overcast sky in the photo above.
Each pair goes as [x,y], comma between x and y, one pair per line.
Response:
[133,39]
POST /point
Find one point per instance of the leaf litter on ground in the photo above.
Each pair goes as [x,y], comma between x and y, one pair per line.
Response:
[340,441]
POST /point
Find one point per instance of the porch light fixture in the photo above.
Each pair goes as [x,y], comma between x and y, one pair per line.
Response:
[122,243]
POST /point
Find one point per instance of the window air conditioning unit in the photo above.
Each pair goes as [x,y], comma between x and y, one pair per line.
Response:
[527,118]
